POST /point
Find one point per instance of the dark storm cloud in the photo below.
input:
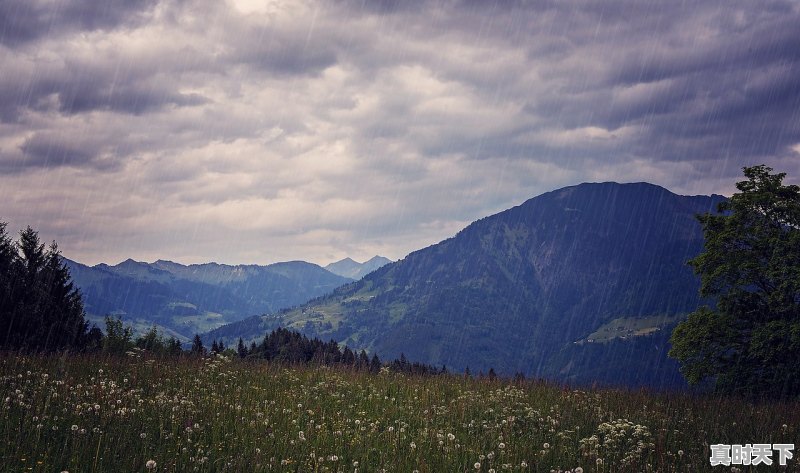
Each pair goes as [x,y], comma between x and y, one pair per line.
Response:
[25,21]
[45,151]
[128,98]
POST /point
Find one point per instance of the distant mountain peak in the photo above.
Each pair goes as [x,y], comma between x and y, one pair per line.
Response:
[350,268]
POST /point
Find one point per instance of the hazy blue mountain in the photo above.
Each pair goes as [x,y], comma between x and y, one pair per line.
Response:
[580,284]
[354,270]
[184,300]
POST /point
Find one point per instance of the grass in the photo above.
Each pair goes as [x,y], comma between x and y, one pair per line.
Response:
[91,414]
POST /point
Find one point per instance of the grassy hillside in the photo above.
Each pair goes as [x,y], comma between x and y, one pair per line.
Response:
[92,415]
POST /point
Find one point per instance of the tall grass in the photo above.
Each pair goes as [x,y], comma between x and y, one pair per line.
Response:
[89,414]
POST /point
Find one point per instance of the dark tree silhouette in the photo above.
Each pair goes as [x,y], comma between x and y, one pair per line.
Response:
[40,309]
[748,341]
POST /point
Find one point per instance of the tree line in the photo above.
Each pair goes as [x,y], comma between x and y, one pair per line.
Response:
[291,347]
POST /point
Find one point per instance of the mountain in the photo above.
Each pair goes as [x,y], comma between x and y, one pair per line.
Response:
[184,300]
[355,270]
[531,289]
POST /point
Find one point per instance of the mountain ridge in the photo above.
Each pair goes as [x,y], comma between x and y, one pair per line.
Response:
[516,289]
[186,299]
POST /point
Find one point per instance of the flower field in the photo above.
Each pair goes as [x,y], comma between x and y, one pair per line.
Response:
[92,414]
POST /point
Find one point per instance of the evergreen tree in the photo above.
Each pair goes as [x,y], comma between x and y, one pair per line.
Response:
[241,350]
[492,375]
[375,364]
[197,346]
[40,309]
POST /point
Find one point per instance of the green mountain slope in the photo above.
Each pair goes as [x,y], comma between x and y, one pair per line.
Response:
[515,290]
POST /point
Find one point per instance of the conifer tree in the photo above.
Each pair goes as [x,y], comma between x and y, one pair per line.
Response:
[40,309]
[197,346]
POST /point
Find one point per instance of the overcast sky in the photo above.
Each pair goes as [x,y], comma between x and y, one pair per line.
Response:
[264,131]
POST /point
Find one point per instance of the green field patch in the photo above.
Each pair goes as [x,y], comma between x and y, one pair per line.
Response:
[627,327]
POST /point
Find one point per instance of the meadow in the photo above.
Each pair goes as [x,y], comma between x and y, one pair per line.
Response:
[140,414]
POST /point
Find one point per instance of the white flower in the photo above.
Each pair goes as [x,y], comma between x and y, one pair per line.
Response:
[477,466]
[151,464]
[501,446]
[578,470]
[546,445]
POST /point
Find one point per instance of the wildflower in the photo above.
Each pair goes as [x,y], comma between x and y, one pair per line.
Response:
[578,470]
[451,437]
[477,466]
[501,446]
[151,464]
[413,445]
[546,445]
[680,453]
[74,427]
[143,435]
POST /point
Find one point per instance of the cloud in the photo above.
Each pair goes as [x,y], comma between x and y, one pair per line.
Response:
[27,21]
[248,131]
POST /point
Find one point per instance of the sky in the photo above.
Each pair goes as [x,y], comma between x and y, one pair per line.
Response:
[261,131]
